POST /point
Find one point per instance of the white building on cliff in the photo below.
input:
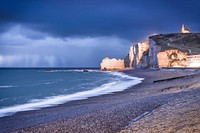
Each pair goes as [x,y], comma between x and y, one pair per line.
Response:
[184,29]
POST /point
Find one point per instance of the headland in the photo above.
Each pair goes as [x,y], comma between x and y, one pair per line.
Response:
[173,50]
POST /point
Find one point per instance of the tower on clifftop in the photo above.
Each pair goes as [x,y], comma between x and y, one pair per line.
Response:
[185,30]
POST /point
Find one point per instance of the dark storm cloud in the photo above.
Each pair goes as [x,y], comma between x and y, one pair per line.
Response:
[126,18]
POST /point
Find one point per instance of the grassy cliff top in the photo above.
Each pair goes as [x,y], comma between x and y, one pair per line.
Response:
[186,42]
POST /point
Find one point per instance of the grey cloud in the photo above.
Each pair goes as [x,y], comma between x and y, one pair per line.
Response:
[19,48]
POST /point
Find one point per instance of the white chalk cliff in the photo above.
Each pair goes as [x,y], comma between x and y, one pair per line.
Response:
[138,55]
[112,64]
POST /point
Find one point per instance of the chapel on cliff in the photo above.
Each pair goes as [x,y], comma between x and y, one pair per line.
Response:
[184,29]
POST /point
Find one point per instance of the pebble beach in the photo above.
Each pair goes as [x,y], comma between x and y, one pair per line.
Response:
[166,101]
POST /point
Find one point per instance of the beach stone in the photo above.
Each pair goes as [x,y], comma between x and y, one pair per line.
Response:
[85,70]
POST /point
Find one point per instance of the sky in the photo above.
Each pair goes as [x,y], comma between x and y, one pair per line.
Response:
[80,33]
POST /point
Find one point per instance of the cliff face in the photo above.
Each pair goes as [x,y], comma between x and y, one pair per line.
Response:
[153,51]
[172,58]
[163,50]
[138,55]
[193,60]
[128,60]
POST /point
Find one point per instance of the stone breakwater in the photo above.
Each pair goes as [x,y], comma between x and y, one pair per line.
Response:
[160,51]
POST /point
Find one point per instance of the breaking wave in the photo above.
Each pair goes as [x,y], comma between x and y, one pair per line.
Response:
[7,86]
[74,70]
[108,88]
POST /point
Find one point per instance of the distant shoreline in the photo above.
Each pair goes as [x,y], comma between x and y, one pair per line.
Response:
[110,112]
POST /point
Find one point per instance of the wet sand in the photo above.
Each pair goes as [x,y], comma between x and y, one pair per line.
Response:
[166,101]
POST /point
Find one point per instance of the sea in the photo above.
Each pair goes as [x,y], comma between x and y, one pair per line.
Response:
[24,89]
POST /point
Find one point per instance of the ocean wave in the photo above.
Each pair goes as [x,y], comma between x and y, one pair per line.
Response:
[108,88]
[26,85]
[48,83]
[1,100]
[38,83]
[122,75]
[74,70]
[7,86]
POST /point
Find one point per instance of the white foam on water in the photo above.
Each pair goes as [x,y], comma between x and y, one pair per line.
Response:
[35,104]
[74,70]
[7,86]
